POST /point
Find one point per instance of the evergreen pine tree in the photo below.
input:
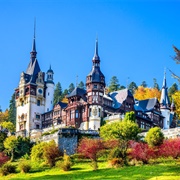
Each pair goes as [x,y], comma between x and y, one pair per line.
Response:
[57,93]
[114,84]
[156,85]
[12,110]
[144,84]
[132,87]
[81,85]
[71,87]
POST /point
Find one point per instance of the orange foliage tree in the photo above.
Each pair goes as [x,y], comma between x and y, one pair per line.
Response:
[146,93]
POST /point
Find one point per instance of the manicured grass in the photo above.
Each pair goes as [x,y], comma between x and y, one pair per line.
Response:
[83,170]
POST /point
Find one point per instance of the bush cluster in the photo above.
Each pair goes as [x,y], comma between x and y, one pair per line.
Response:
[24,166]
[7,168]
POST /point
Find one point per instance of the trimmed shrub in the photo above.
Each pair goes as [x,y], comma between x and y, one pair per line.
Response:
[154,137]
[24,166]
[3,158]
[7,168]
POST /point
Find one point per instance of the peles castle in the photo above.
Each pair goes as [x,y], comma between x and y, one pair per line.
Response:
[86,109]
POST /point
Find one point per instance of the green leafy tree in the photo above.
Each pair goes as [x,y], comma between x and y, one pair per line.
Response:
[12,110]
[10,145]
[144,84]
[154,136]
[130,116]
[71,87]
[81,85]
[24,146]
[132,87]
[57,93]
[114,84]
[156,85]
[37,151]
[124,130]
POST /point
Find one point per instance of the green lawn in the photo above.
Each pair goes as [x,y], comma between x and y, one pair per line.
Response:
[166,171]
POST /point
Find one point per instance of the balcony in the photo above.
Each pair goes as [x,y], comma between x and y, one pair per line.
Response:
[116,117]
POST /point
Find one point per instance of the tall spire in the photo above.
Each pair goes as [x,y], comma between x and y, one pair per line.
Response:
[96,58]
[164,101]
[33,52]
[164,81]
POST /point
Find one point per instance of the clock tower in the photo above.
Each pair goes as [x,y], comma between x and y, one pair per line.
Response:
[95,84]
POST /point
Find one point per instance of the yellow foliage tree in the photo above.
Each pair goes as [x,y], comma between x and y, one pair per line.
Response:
[176,99]
[4,116]
[146,93]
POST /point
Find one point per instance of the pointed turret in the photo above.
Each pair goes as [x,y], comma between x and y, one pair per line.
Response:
[164,101]
[50,75]
[96,76]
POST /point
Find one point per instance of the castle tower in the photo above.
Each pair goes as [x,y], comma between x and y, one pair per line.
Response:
[165,105]
[30,97]
[95,84]
[49,90]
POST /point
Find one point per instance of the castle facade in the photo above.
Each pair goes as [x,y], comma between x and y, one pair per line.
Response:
[86,109]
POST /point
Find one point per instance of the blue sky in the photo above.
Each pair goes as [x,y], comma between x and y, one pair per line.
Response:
[135,39]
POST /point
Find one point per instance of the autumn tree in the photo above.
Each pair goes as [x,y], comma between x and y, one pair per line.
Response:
[146,93]
[90,148]
[154,136]
[57,93]
[9,126]
[50,153]
[4,116]
[114,84]
[176,99]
